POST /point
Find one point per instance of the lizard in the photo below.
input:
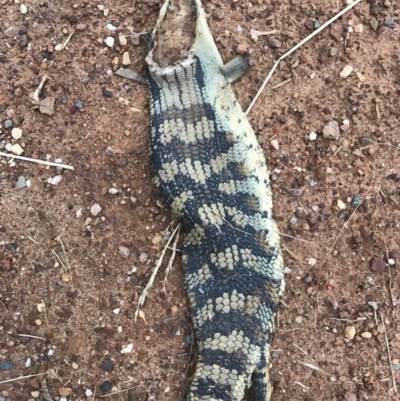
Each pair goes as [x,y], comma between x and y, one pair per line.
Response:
[211,173]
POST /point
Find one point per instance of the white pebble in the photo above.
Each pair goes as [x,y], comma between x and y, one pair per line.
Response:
[23,9]
[55,180]
[111,27]
[116,311]
[17,150]
[391,262]
[346,71]
[100,7]
[16,133]
[88,392]
[312,136]
[35,394]
[109,41]
[113,191]
[312,261]
[50,352]
[28,363]
[95,209]
[127,349]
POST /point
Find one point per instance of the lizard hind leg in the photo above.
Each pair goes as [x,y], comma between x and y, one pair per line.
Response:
[235,68]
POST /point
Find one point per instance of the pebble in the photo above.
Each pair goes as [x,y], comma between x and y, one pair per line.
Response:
[35,394]
[81,27]
[126,59]
[346,71]
[122,40]
[107,365]
[8,123]
[109,151]
[130,74]
[336,32]
[312,261]
[389,23]
[356,201]
[331,130]
[16,133]
[275,144]
[241,49]
[113,191]
[127,349]
[295,191]
[316,24]
[124,251]
[88,392]
[109,41]
[378,265]
[366,334]
[28,363]
[143,257]
[105,387]
[350,397]
[374,23]
[21,183]
[54,180]
[174,309]
[111,27]
[23,9]
[95,209]
[78,105]
[359,28]
[65,391]
[341,205]
[106,93]
[6,365]
[350,332]
[312,136]
[17,150]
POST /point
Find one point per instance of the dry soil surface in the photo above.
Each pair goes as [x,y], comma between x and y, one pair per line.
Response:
[68,292]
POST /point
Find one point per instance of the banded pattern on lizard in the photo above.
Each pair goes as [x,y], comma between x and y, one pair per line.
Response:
[211,173]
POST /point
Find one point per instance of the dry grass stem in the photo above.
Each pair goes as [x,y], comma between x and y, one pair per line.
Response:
[38,161]
[22,378]
[30,336]
[117,392]
[302,385]
[281,84]
[389,355]
[172,258]
[293,49]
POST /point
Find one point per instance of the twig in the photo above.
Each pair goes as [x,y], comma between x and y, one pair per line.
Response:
[117,392]
[281,84]
[30,336]
[293,49]
[29,237]
[295,21]
[34,96]
[297,239]
[153,275]
[38,161]
[388,351]
[302,385]
[308,365]
[303,351]
[22,377]
[172,258]
[349,321]
[291,254]
[305,211]
[5,307]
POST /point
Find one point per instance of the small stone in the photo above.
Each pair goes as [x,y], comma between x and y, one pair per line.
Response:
[378,265]
[113,191]
[23,9]
[17,150]
[275,144]
[157,239]
[35,394]
[312,261]
[378,133]
[6,365]
[21,183]
[46,106]
[350,332]
[81,27]
[355,201]
[389,23]
[299,319]
[106,93]
[109,41]
[312,136]
[95,209]
[78,105]
[88,392]
[124,251]
[126,59]
[106,12]
[8,123]
[127,349]
[111,27]
[295,191]
[174,309]
[16,133]
[105,387]
[366,334]
[341,205]
[65,391]
[350,397]
[374,23]
[309,25]
[336,32]
[333,51]
[130,74]
[107,365]
[359,28]
[54,180]
[75,366]
[109,151]
[143,257]
[122,40]
[316,24]
[331,130]
[241,49]
[346,71]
